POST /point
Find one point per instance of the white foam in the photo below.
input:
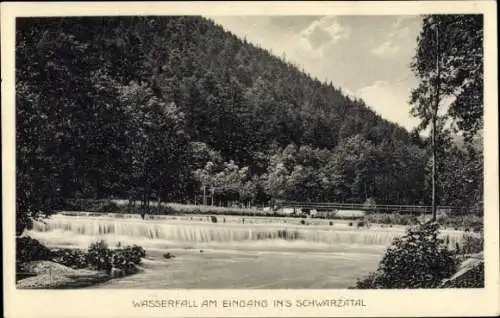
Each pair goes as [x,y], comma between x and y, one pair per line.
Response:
[80,230]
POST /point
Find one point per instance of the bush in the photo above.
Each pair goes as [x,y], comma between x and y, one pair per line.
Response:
[474,279]
[419,259]
[369,282]
[136,253]
[29,249]
[23,222]
[70,257]
[472,244]
[127,258]
[370,204]
[99,256]
[108,207]
[123,260]
[469,222]
[387,219]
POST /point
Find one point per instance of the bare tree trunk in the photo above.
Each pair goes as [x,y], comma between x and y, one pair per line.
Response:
[433,170]
[143,205]
[434,128]
[204,196]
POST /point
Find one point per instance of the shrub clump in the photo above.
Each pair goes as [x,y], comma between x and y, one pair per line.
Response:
[419,259]
[472,244]
[473,279]
[70,257]
[99,256]
[28,249]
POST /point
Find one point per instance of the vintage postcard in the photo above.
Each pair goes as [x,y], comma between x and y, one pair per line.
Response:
[250,159]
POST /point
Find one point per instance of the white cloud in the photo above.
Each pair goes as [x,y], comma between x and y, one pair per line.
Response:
[325,30]
[387,50]
[281,41]
[404,19]
[401,38]
[402,34]
[346,91]
[390,100]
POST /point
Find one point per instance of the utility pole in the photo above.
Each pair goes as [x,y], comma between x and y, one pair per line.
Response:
[434,124]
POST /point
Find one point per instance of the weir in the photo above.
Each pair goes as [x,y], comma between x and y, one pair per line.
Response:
[186,230]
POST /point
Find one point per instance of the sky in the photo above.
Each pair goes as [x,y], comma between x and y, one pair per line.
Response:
[367,56]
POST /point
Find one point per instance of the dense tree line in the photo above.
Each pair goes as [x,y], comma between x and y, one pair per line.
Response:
[172,107]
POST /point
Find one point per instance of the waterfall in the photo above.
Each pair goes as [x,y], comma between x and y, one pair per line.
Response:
[200,230]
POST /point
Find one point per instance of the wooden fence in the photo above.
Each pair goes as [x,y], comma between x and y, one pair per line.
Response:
[381,208]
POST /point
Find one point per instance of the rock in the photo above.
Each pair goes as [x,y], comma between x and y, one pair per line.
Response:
[168,256]
[470,273]
[201,251]
[479,255]
[48,267]
[56,276]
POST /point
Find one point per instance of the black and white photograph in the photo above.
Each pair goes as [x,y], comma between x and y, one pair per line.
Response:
[259,152]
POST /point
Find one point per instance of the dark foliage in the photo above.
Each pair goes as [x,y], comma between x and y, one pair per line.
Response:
[29,249]
[127,258]
[100,256]
[70,257]
[472,244]
[474,279]
[419,259]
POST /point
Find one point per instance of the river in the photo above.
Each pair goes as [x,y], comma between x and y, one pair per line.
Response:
[235,252]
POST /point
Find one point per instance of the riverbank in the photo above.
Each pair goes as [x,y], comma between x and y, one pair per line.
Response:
[51,275]
[41,267]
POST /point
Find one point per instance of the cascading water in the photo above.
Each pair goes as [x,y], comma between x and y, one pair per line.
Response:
[238,252]
[198,230]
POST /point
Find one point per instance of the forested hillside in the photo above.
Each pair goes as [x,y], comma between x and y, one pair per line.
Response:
[141,107]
